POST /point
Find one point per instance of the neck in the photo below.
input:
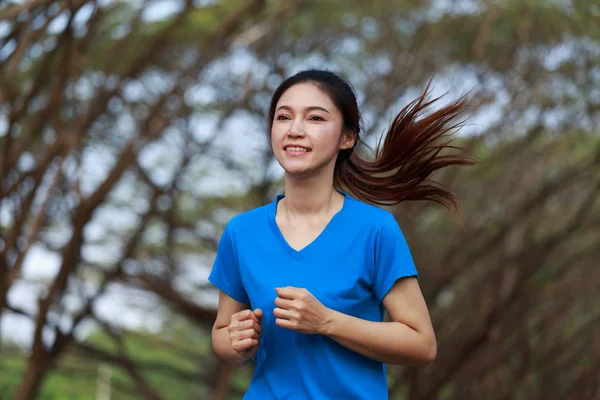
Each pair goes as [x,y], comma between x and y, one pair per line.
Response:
[310,195]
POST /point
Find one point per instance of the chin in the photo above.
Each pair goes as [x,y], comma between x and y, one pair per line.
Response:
[304,170]
[297,172]
[295,167]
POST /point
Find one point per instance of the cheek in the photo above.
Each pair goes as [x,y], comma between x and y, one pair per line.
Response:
[276,139]
[329,137]
[277,133]
[273,138]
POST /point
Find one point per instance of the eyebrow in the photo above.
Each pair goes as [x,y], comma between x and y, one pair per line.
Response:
[312,108]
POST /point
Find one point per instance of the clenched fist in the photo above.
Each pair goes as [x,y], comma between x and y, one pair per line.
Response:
[297,309]
[245,331]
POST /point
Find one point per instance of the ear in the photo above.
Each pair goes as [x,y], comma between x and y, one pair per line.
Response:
[347,140]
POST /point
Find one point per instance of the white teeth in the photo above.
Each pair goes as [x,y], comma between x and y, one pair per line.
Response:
[291,148]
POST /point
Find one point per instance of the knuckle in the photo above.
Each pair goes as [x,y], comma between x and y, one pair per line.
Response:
[235,317]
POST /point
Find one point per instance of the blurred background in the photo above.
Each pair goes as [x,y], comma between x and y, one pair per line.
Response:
[132,131]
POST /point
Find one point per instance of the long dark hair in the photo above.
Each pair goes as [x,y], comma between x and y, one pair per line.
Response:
[406,158]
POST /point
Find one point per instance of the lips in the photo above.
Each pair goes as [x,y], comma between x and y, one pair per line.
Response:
[296,149]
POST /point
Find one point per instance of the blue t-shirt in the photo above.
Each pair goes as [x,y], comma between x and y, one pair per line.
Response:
[349,267]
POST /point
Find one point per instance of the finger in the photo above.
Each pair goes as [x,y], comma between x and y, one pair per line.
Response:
[286,304]
[245,344]
[281,313]
[284,323]
[252,317]
[240,316]
[244,315]
[245,334]
[248,334]
[249,324]
[258,313]
[287,292]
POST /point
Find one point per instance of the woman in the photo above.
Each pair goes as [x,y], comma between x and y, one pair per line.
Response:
[305,280]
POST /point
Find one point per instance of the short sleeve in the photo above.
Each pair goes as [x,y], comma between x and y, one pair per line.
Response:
[225,273]
[393,259]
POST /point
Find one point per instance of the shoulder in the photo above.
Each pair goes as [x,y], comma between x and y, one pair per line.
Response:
[247,219]
[369,216]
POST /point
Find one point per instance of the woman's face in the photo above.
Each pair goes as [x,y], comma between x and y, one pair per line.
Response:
[306,135]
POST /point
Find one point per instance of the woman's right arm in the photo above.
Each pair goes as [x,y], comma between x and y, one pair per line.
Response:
[236,331]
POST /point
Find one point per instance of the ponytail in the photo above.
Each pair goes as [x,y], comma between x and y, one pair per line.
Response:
[411,152]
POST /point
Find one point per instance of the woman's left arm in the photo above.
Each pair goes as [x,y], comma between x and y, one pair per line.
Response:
[408,339]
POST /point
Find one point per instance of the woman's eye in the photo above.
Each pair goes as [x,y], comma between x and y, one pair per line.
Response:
[316,118]
[282,117]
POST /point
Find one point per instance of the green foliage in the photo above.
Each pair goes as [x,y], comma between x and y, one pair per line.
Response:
[173,359]
[12,365]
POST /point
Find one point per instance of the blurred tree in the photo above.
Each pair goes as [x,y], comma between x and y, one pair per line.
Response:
[65,112]
[132,132]
[167,360]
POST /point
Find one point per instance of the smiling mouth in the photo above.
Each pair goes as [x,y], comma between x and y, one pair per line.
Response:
[296,149]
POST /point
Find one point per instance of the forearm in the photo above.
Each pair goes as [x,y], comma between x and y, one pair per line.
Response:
[389,342]
[222,347]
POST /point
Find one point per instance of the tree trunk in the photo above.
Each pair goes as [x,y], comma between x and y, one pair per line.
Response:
[37,369]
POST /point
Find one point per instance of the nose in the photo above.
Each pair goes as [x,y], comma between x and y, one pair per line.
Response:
[297,128]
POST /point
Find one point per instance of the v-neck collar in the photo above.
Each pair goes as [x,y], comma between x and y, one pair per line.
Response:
[283,243]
